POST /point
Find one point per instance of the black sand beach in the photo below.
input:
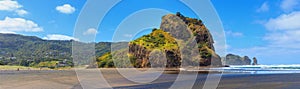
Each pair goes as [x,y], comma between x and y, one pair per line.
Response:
[67,79]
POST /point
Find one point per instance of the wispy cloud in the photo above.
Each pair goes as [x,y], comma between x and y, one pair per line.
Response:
[128,35]
[14,6]
[234,34]
[289,5]
[66,9]
[284,30]
[7,32]
[59,37]
[13,25]
[90,31]
[21,12]
[282,38]
[284,22]
[263,8]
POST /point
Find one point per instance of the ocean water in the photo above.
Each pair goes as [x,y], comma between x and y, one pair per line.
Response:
[259,69]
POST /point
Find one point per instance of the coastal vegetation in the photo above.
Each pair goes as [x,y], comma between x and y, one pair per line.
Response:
[31,51]
[158,39]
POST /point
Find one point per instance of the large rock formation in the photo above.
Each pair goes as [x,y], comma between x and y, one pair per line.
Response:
[174,30]
[232,59]
[190,29]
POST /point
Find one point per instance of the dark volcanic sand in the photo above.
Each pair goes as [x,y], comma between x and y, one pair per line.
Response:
[67,79]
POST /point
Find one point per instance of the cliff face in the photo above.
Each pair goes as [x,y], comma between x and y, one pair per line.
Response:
[232,59]
[142,55]
[175,28]
[141,49]
[180,27]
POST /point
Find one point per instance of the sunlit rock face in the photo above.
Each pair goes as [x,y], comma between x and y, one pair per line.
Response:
[190,29]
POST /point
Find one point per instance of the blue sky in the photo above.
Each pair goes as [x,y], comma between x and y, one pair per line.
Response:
[266,29]
[44,14]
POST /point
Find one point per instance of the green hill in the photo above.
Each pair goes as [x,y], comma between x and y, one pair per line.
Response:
[30,50]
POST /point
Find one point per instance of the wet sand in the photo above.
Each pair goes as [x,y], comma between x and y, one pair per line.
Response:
[67,79]
[37,79]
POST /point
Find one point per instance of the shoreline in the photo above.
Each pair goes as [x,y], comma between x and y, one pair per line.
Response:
[200,70]
[67,79]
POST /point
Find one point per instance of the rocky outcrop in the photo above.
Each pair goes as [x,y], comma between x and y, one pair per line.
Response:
[246,60]
[232,59]
[255,61]
[184,30]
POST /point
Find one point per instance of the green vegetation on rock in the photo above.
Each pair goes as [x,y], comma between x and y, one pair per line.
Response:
[141,48]
[174,29]
[158,39]
[105,61]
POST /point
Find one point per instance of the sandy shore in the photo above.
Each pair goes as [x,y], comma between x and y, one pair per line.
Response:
[67,79]
[36,79]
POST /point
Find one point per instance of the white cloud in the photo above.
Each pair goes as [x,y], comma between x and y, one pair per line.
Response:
[9,5]
[66,9]
[90,31]
[128,35]
[234,34]
[59,37]
[284,31]
[289,5]
[14,6]
[21,12]
[7,32]
[227,46]
[12,25]
[282,37]
[284,22]
[286,39]
[263,8]
[220,47]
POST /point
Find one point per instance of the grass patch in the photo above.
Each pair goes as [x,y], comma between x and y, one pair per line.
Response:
[8,67]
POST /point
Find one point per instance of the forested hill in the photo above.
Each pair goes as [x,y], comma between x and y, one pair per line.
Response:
[15,49]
